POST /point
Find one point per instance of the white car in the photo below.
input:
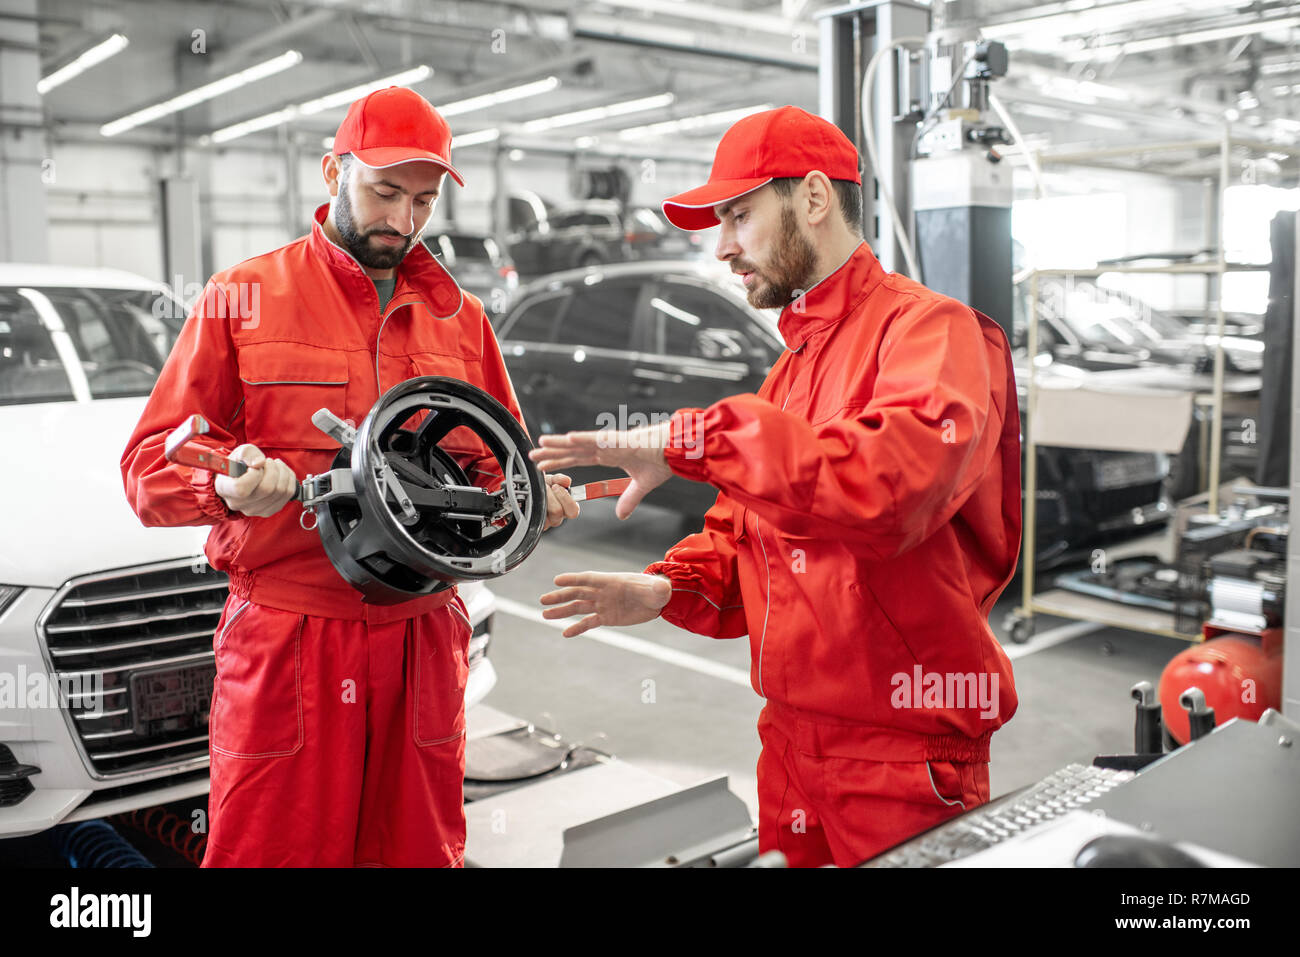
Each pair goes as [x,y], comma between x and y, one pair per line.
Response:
[106,626]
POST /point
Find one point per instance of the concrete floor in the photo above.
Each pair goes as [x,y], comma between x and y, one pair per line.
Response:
[686,725]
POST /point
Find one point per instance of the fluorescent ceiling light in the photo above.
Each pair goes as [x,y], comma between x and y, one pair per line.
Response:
[96,54]
[477,138]
[318,105]
[1082,91]
[1104,122]
[352,93]
[599,113]
[1098,19]
[700,121]
[725,16]
[1045,112]
[1281,65]
[1111,51]
[501,96]
[203,93]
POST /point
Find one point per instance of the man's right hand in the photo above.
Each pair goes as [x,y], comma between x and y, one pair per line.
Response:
[607,598]
[263,490]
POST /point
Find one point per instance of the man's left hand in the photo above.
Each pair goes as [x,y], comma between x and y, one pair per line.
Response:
[559,503]
[638,452]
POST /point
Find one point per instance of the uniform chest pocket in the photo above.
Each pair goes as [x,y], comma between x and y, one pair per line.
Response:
[284,386]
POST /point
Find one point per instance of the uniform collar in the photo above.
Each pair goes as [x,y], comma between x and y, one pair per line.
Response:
[831,299]
[419,270]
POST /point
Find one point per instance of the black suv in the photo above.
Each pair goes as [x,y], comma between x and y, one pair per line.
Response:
[618,346]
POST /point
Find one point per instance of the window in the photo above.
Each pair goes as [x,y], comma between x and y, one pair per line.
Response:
[693,321]
[602,315]
[30,367]
[119,340]
[459,247]
[646,220]
[115,335]
[535,319]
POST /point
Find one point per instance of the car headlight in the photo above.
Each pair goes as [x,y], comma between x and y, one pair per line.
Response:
[7,594]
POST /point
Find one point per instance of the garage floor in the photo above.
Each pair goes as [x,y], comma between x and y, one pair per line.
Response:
[695,717]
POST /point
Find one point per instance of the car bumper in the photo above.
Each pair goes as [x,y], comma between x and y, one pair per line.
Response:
[36,730]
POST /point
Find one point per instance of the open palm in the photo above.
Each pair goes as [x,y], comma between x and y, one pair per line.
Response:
[606,598]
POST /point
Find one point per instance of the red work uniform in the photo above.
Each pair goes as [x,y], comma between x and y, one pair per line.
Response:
[337,728]
[868,519]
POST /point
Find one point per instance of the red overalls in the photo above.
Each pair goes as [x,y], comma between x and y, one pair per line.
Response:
[868,519]
[337,728]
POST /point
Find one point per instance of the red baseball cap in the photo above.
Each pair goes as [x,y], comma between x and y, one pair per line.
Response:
[774,144]
[395,125]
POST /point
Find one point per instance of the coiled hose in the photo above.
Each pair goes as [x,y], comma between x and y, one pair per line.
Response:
[169,830]
[95,844]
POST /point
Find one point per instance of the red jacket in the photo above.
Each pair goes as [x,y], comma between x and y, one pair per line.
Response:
[868,519]
[269,342]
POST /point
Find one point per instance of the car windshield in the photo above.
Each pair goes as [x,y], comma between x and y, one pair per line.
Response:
[648,220]
[62,344]
[459,248]
[1101,319]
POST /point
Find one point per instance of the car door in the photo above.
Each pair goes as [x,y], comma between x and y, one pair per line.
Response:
[594,351]
[534,362]
[696,347]
[568,232]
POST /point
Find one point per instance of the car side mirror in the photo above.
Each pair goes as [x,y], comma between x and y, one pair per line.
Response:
[720,344]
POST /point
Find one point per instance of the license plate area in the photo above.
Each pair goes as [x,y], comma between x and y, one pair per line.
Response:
[171,699]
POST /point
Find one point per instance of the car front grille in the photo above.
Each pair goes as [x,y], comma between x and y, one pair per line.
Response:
[110,637]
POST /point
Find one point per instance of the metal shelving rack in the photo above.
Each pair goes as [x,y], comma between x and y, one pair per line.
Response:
[1060,603]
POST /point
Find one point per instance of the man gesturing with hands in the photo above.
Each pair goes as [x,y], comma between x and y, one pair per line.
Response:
[868,513]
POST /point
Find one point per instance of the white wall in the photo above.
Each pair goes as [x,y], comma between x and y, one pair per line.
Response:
[1090,215]
[104,209]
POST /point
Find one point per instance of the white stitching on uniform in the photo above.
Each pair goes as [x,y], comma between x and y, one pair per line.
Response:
[692,591]
[936,790]
[767,611]
[221,638]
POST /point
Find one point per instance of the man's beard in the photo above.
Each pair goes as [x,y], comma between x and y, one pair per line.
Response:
[358,243]
[788,275]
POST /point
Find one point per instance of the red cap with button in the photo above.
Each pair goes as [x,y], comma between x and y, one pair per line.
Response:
[395,125]
[774,144]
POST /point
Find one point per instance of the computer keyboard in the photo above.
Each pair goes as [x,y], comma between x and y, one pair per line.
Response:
[1066,790]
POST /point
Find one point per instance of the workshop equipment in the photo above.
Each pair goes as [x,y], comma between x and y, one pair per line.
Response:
[1192,798]
[1147,729]
[1074,786]
[1148,733]
[1237,676]
[1200,717]
[396,513]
